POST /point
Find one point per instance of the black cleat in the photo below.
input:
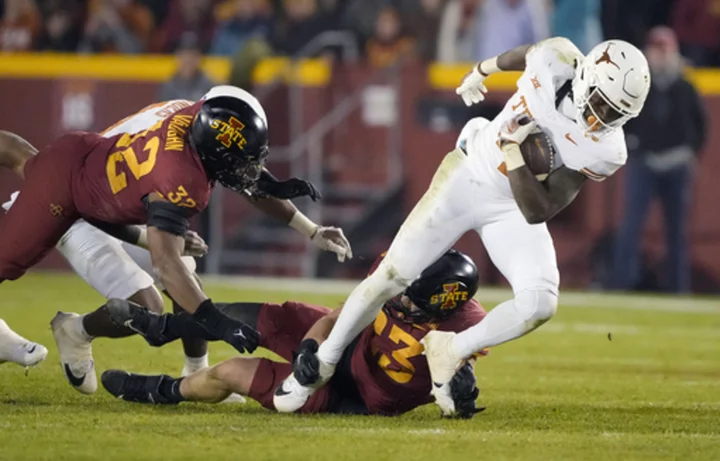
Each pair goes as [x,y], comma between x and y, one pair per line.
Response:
[140,320]
[135,388]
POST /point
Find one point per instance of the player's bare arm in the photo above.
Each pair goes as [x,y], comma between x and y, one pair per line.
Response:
[539,202]
[14,152]
[167,225]
[273,199]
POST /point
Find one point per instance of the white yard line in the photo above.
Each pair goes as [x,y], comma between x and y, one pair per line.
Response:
[705,305]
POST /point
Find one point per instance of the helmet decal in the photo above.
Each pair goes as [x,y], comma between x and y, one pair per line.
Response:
[229,132]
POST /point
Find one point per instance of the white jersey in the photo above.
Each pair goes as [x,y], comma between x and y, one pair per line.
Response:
[549,65]
[146,117]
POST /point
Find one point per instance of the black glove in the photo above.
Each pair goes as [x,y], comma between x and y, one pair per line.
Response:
[239,335]
[269,186]
[306,365]
[464,392]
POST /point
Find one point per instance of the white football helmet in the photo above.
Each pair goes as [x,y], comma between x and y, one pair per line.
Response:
[610,86]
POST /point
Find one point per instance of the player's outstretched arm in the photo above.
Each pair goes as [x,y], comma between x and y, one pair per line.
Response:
[15,152]
[326,238]
[472,89]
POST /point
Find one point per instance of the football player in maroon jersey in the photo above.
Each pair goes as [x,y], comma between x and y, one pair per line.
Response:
[382,372]
[160,177]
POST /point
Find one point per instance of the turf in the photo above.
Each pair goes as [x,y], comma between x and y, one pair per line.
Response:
[615,379]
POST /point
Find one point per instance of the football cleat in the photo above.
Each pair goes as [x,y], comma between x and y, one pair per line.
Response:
[443,363]
[14,348]
[75,352]
[140,320]
[134,388]
[290,395]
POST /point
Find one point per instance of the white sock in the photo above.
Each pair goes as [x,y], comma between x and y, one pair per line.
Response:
[193,364]
[507,321]
[360,309]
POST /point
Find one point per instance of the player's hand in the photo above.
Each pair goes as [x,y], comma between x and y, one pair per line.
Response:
[242,337]
[472,89]
[333,239]
[288,189]
[515,130]
[195,246]
[306,365]
[464,392]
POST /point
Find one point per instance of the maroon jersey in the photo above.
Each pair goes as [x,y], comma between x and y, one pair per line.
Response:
[122,170]
[391,373]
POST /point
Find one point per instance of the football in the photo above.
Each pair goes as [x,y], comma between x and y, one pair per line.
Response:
[538,152]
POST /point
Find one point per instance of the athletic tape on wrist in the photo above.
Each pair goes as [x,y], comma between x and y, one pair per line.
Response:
[489,67]
[303,224]
[513,156]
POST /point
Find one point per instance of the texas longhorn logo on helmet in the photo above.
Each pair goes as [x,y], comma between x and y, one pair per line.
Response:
[450,297]
[229,132]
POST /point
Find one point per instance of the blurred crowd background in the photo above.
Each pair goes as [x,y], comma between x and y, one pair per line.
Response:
[433,30]
[369,124]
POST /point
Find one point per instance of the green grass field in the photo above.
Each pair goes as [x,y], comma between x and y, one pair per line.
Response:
[608,378]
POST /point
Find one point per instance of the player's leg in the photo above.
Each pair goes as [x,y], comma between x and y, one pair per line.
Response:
[525,255]
[100,260]
[14,348]
[441,216]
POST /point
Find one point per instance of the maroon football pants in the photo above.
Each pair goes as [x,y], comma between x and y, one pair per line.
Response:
[45,209]
[282,328]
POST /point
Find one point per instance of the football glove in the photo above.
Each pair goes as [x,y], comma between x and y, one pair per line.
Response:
[242,337]
[332,239]
[195,246]
[515,130]
[464,392]
[472,89]
[306,365]
[269,186]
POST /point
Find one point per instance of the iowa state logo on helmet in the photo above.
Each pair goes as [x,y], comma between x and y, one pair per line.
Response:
[450,297]
[230,132]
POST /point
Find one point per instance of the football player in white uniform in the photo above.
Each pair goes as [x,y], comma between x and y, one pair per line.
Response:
[124,270]
[581,103]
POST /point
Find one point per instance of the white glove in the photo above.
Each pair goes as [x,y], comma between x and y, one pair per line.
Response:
[472,90]
[516,129]
[333,239]
[195,246]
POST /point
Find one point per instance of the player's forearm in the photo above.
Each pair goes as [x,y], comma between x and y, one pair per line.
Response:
[508,61]
[322,328]
[531,197]
[539,202]
[180,283]
[282,210]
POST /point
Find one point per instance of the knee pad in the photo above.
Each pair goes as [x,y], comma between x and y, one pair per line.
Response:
[536,306]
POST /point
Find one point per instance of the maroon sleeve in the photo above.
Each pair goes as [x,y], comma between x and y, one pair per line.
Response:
[470,314]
